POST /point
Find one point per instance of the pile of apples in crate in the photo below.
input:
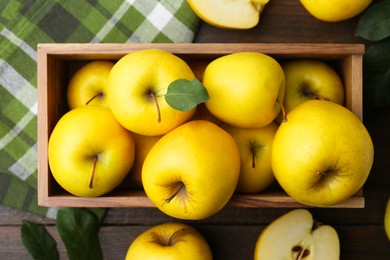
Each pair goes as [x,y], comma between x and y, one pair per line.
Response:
[246,122]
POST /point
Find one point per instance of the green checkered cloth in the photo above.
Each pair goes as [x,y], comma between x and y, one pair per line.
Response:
[24,24]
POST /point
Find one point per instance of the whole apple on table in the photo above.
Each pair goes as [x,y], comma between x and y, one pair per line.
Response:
[264,120]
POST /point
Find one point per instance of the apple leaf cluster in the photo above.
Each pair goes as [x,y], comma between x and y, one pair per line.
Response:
[374,26]
[78,229]
[185,94]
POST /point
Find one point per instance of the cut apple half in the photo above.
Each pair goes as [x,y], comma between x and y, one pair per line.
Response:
[296,236]
[230,14]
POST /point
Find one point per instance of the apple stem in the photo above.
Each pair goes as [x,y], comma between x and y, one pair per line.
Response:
[95,158]
[100,94]
[153,95]
[253,151]
[181,186]
[283,111]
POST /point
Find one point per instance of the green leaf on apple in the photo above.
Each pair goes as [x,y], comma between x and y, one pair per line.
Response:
[79,230]
[38,241]
[185,94]
[374,24]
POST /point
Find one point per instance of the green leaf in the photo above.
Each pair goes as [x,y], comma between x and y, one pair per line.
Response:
[377,56]
[184,95]
[100,213]
[374,24]
[38,242]
[79,230]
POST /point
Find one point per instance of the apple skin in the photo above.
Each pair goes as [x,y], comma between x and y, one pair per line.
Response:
[80,136]
[255,145]
[311,79]
[143,144]
[246,89]
[199,155]
[335,10]
[294,234]
[133,81]
[89,81]
[169,241]
[322,154]
[387,219]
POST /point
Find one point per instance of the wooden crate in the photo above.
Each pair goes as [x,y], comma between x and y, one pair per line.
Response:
[57,62]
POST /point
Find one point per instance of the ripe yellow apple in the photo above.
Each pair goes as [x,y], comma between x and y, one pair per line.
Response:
[335,10]
[255,145]
[295,235]
[192,171]
[202,113]
[311,79]
[143,144]
[229,14]
[246,89]
[387,218]
[137,85]
[90,153]
[88,86]
[322,154]
[169,241]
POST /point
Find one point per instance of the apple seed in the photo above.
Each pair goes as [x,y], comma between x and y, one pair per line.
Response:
[299,253]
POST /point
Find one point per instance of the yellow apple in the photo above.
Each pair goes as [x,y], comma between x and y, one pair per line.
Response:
[169,241]
[335,10]
[137,85]
[246,89]
[229,14]
[202,113]
[88,86]
[143,144]
[192,171]
[322,154]
[255,145]
[387,218]
[295,235]
[311,79]
[90,153]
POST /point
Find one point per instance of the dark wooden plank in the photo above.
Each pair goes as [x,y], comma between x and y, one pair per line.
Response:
[226,242]
[285,21]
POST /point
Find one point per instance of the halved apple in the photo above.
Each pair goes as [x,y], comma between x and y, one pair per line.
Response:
[230,14]
[295,235]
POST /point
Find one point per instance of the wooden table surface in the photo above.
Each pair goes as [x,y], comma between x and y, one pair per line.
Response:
[232,233]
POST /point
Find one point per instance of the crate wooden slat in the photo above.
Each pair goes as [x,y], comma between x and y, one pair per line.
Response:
[56,62]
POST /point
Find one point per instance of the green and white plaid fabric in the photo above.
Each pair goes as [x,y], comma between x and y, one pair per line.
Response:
[24,24]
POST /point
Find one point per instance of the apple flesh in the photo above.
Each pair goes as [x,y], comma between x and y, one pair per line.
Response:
[229,14]
[322,154]
[192,172]
[90,153]
[173,241]
[295,235]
